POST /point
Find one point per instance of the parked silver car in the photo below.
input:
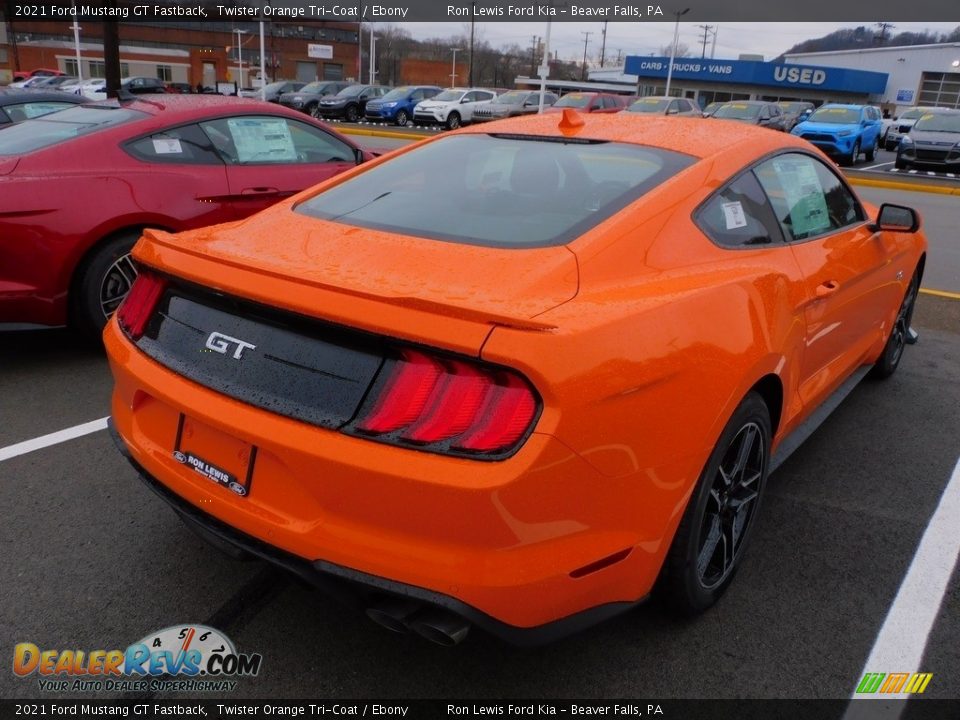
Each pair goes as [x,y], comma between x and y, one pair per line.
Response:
[510,104]
[663,105]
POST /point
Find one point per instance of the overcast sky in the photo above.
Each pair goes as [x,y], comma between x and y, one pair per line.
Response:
[767,39]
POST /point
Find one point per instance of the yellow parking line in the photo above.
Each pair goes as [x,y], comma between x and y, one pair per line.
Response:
[383,133]
[895,185]
[941,293]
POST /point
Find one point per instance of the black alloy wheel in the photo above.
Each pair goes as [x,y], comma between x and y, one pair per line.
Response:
[716,527]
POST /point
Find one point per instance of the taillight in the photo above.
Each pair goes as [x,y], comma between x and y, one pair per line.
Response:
[449,406]
[140,303]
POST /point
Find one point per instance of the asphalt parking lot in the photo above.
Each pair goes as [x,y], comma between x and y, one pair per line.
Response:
[92,559]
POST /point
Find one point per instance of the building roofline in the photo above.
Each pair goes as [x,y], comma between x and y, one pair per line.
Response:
[855,51]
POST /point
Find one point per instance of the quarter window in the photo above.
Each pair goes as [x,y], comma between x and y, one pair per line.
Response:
[740,215]
[807,197]
[183,145]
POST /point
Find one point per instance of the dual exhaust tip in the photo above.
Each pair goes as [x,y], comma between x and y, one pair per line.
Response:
[435,624]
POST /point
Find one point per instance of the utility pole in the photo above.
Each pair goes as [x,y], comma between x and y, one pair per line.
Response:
[586,39]
[603,46]
[713,47]
[673,48]
[707,31]
[373,50]
[533,56]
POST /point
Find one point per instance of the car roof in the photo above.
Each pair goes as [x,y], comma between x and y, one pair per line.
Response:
[848,106]
[694,136]
[10,96]
[163,103]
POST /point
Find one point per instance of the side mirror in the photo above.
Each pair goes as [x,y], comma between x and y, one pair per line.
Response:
[358,156]
[896,218]
[672,111]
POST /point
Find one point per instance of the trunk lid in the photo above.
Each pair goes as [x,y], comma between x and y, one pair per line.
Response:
[439,293]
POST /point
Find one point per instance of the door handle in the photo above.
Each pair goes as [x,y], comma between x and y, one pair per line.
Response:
[827,288]
[259,191]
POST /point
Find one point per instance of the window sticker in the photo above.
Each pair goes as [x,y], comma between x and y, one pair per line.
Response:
[733,213]
[804,195]
[167,146]
[262,140]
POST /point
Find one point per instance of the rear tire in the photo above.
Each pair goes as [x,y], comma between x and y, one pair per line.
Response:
[889,361]
[102,283]
[718,522]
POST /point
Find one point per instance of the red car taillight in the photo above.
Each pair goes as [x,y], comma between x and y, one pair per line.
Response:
[140,303]
[450,406]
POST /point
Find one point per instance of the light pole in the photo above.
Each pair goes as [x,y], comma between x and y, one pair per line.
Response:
[453,73]
[76,44]
[673,48]
[263,65]
[240,56]
[373,52]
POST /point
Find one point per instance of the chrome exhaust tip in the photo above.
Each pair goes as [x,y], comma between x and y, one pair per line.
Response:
[393,613]
[440,627]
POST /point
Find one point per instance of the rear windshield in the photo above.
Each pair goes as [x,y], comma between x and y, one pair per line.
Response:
[574,100]
[649,105]
[351,91]
[61,126]
[514,97]
[836,115]
[737,111]
[498,190]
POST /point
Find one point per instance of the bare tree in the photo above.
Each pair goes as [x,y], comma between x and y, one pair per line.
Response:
[683,50]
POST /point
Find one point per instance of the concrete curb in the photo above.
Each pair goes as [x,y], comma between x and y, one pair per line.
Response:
[895,185]
[383,133]
[940,293]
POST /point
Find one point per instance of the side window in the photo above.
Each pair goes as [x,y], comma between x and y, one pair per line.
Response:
[672,107]
[259,140]
[483,95]
[416,96]
[739,215]
[807,197]
[185,145]
[469,97]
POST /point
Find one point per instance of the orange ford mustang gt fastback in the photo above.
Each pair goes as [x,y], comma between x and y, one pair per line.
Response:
[516,376]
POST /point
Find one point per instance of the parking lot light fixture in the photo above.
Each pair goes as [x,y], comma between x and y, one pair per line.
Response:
[673,48]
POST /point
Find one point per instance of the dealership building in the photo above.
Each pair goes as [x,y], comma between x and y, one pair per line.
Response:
[893,78]
[917,74]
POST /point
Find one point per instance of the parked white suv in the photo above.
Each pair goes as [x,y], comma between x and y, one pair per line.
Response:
[453,107]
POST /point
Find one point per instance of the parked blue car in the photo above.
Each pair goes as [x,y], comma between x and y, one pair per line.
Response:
[397,105]
[843,131]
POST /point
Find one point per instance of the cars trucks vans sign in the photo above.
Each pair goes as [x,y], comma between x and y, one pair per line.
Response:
[752,72]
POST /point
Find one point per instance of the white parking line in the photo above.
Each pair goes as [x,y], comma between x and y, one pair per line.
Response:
[55,438]
[902,640]
[873,167]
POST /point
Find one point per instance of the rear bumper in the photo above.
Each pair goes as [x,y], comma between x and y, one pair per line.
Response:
[359,589]
[517,547]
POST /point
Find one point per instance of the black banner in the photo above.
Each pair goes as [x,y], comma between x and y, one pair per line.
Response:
[873,709]
[489,10]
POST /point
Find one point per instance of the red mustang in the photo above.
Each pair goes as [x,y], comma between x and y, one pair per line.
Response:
[76,190]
